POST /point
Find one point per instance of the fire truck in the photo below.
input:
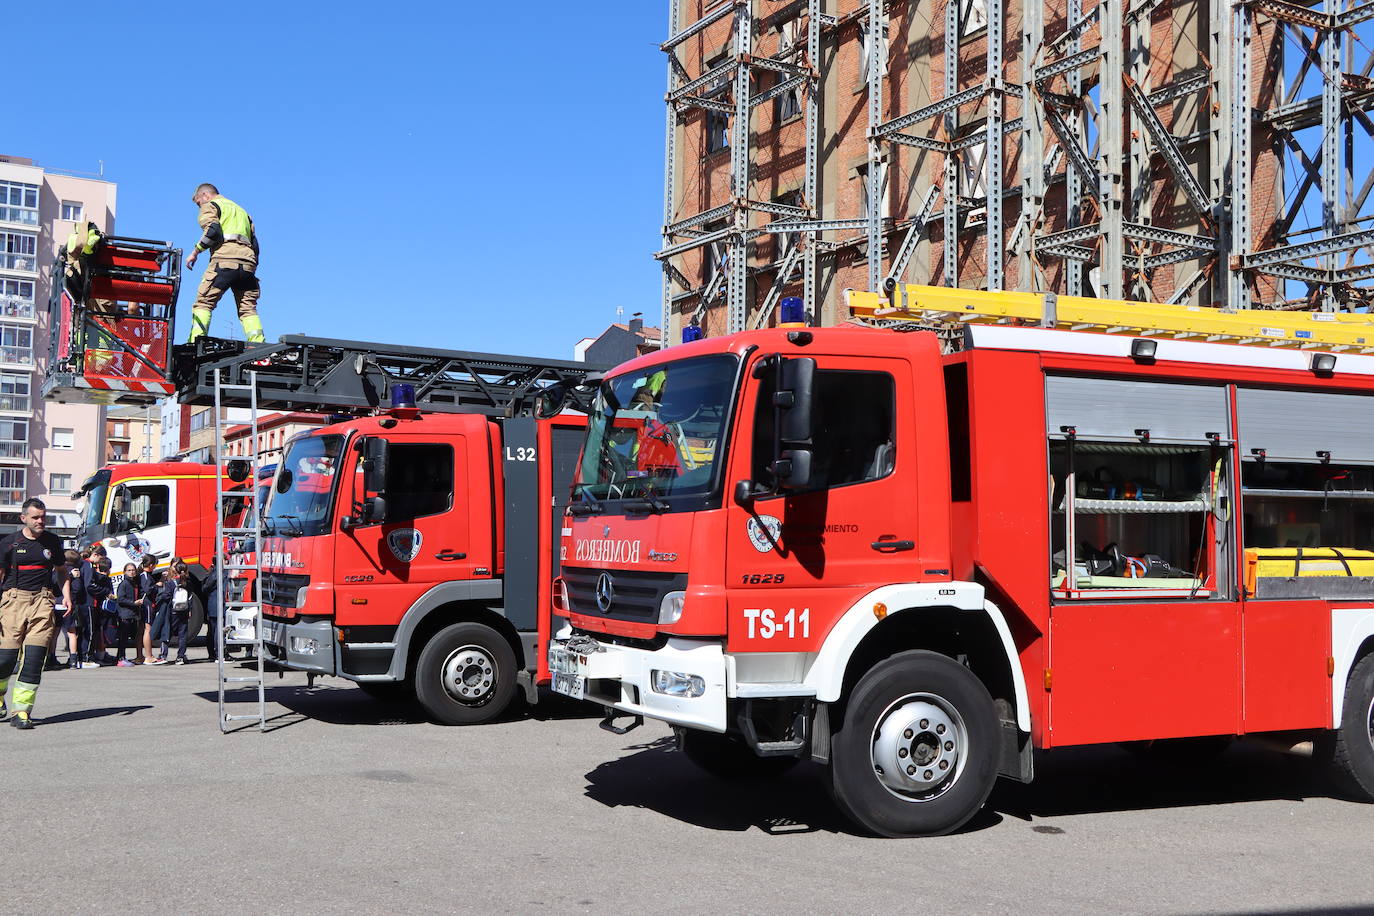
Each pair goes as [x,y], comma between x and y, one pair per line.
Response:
[165,510]
[411,550]
[1075,522]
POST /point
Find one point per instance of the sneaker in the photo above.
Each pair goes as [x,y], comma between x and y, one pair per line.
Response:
[89,665]
[181,661]
[156,661]
[124,663]
[107,659]
[21,720]
[4,713]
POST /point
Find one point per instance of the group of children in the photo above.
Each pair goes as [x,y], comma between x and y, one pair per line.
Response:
[148,606]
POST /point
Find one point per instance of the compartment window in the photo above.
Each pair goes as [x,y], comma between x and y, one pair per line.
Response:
[1138,521]
[1308,529]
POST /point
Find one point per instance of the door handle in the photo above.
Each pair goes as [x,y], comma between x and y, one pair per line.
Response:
[450,555]
[889,544]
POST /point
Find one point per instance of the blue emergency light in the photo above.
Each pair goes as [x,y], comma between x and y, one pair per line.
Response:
[402,395]
[690,333]
[791,312]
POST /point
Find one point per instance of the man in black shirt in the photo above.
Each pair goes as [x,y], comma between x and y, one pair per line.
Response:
[31,561]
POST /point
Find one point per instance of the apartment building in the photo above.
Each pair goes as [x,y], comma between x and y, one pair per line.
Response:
[46,450]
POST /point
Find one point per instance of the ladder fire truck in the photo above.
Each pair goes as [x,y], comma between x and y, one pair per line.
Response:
[411,550]
[1081,521]
[410,547]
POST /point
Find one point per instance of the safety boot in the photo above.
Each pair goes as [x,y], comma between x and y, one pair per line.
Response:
[21,720]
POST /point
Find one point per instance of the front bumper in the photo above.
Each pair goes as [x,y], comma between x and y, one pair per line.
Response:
[621,677]
[300,645]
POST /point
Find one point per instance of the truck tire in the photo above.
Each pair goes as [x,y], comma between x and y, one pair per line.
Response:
[387,691]
[917,752]
[466,675]
[729,758]
[1352,751]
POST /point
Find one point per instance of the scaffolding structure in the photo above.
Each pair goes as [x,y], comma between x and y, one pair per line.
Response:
[1184,151]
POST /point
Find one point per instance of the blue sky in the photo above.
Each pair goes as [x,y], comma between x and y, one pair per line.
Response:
[465,175]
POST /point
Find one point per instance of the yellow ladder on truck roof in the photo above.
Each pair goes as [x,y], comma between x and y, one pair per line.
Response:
[1335,331]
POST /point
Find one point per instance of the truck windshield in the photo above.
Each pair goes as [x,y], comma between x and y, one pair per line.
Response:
[93,492]
[655,435]
[304,490]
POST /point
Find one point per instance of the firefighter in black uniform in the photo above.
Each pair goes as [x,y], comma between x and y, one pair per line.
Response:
[32,562]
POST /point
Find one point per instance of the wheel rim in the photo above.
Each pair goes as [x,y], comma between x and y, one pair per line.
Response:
[1369,721]
[469,674]
[920,744]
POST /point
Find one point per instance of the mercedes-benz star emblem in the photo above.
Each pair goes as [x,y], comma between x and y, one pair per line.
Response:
[605,592]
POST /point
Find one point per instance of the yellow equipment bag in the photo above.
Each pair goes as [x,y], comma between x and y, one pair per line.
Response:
[1297,562]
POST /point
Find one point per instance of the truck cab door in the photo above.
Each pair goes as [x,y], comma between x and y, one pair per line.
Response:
[797,559]
[382,566]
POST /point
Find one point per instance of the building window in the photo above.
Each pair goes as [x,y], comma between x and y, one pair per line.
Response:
[712,255]
[63,438]
[59,483]
[19,203]
[717,122]
[869,56]
[19,251]
[14,392]
[200,420]
[16,298]
[861,174]
[14,439]
[789,104]
[119,430]
[119,451]
[13,483]
[72,210]
[16,344]
[973,16]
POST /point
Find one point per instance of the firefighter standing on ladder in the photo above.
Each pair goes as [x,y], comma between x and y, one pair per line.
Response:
[233,245]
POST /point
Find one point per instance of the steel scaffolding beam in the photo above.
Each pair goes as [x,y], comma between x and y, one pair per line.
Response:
[1231,175]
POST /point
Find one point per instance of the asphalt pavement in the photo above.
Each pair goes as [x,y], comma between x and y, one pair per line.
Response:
[349,805]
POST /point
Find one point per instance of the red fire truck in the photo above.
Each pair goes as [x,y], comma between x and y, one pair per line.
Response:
[160,509]
[915,566]
[412,550]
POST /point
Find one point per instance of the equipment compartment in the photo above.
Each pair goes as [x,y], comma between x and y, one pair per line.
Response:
[1136,520]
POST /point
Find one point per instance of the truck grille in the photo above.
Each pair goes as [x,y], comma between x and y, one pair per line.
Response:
[280,589]
[636,595]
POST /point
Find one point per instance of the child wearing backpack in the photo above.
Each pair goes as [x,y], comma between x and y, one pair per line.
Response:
[176,598]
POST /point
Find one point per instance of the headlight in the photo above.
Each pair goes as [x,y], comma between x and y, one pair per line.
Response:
[677,683]
[304,645]
[560,596]
[670,609]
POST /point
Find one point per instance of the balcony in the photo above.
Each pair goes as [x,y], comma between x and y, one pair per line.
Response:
[14,451]
[16,403]
[24,262]
[15,307]
[19,216]
[16,356]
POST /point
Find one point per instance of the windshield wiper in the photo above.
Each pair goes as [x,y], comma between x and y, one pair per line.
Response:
[646,504]
[588,505]
[297,529]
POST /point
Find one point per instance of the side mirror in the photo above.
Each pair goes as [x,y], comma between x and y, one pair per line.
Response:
[796,382]
[792,470]
[793,399]
[374,510]
[374,464]
[549,402]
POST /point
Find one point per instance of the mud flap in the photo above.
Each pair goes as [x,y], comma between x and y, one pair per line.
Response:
[1017,759]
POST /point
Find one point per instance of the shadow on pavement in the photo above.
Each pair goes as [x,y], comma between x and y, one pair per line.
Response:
[658,778]
[1092,780]
[1068,782]
[78,715]
[343,704]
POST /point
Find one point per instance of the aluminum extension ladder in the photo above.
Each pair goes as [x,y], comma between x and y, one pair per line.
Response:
[943,306]
[238,605]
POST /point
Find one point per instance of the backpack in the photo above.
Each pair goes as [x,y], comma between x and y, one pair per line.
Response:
[181,599]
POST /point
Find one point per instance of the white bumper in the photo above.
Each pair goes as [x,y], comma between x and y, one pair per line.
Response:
[620,677]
